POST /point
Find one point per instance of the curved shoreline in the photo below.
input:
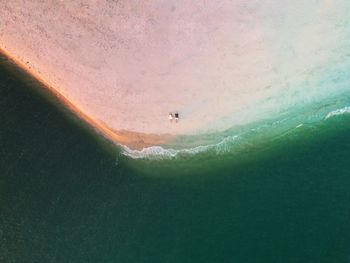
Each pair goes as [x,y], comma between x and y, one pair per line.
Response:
[133,140]
[239,141]
[141,144]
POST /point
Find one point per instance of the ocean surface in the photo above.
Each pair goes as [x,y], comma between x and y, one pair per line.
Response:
[276,192]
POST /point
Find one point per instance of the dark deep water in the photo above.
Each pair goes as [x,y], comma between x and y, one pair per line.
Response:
[67,195]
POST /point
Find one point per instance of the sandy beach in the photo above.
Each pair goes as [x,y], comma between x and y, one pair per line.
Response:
[131,139]
[123,66]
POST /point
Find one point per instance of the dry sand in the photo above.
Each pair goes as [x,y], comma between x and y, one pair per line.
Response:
[124,65]
[131,139]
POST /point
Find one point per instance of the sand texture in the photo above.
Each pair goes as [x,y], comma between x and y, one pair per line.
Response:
[124,65]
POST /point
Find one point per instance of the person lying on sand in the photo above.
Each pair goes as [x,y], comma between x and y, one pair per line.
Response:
[170,117]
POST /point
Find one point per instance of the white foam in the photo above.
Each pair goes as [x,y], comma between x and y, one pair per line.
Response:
[158,152]
[264,131]
[341,111]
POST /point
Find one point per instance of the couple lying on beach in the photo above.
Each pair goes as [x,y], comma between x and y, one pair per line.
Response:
[176,116]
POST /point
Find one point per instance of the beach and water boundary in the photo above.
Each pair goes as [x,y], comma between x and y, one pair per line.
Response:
[69,195]
[167,146]
[134,140]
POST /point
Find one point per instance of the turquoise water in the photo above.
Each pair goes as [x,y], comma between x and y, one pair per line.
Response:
[68,195]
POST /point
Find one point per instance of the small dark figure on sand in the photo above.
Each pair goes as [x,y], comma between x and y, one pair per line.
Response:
[176,116]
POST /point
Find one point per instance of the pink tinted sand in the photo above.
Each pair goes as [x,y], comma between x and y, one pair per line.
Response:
[124,66]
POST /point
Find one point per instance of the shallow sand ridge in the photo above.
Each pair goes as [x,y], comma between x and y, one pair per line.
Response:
[125,65]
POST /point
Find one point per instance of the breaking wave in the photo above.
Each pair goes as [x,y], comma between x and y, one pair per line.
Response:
[158,152]
[341,111]
[233,139]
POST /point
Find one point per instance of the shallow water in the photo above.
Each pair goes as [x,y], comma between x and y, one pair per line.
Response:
[67,195]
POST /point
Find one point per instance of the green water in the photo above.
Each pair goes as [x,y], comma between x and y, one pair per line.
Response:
[67,195]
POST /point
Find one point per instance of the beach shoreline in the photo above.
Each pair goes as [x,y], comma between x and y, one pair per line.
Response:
[129,69]
[133,140]
[123,67]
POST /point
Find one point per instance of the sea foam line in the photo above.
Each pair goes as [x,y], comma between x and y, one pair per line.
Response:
[341,111]
[224,146]
[158,152]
